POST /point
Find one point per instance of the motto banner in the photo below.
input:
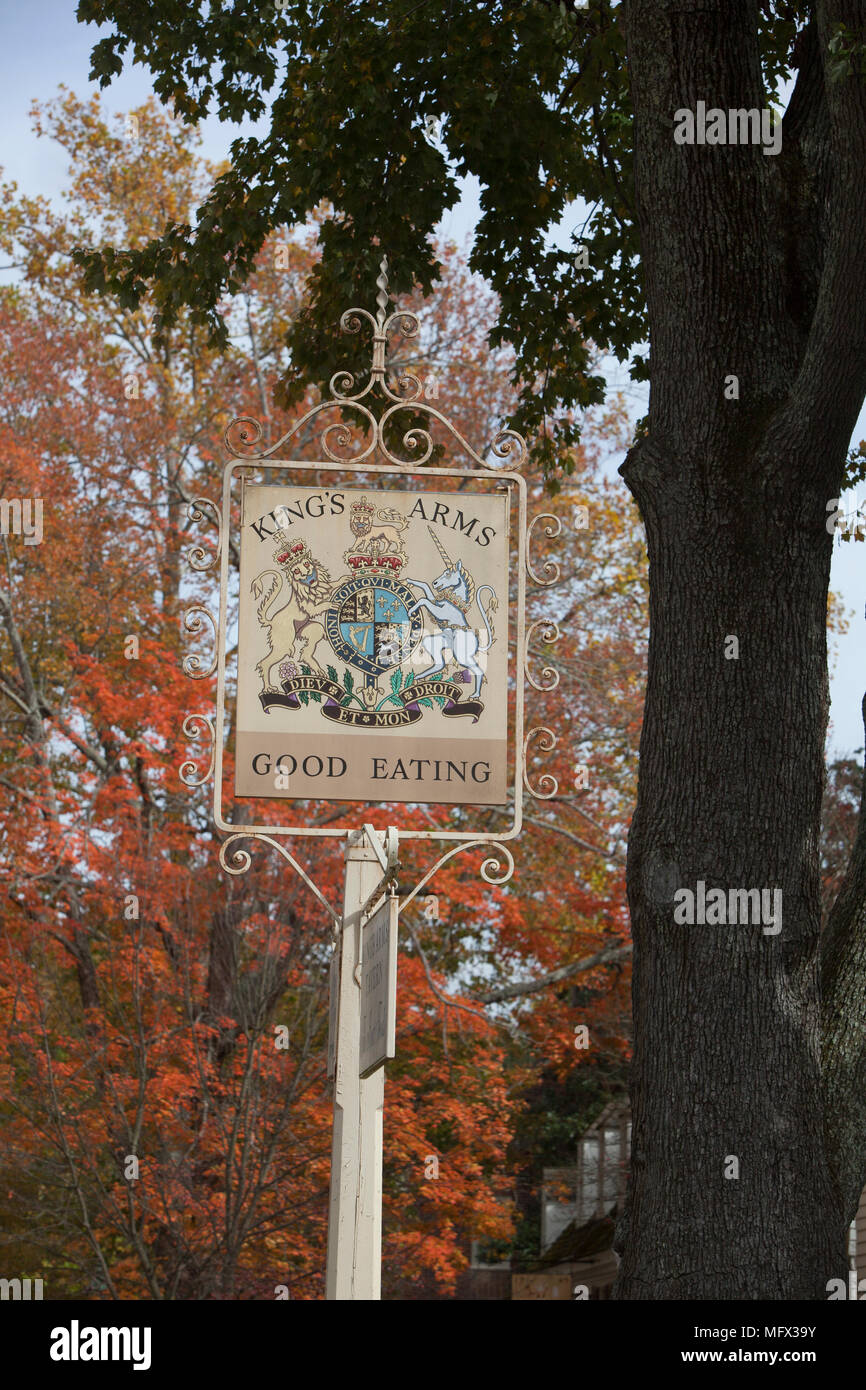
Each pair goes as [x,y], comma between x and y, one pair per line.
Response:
[373,645]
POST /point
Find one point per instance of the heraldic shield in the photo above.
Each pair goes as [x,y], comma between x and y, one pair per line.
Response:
[385,626]
[369,625]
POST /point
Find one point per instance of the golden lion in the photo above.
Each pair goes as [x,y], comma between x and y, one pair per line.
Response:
[376,538]
[292,634]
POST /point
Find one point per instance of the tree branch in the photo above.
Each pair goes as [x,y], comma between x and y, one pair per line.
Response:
[565,972]
[34,717]
[445,999]
[831,382]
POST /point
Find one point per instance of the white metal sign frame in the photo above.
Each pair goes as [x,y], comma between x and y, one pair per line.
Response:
[516,485]
[234,859]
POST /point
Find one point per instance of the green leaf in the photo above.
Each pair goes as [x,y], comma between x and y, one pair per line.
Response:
[332,674]
[396,680]
[348,681]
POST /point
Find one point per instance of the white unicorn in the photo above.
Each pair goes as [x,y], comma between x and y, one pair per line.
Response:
[458,591]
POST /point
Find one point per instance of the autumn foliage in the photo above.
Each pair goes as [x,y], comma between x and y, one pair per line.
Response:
[166,1114]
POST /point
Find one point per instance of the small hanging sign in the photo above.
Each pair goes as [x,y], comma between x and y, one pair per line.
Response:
[379,988]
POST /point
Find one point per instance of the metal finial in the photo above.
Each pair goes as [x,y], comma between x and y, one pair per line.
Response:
[382,282]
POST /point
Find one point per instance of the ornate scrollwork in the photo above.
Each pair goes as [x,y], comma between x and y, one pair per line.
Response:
[406,323]
[344,435]
[194,726]
[546,745]
[249,430]
[244,434]
[200,510]
[249,433]
[415,437]
[550,567]
[504,445]
[549,633]
[192,621]
[350,319]
[409,387]
[491,869]
[241,859]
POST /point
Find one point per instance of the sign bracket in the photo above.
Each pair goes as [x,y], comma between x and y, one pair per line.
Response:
[387,857]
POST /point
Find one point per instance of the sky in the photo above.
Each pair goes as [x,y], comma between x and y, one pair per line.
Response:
[43,46]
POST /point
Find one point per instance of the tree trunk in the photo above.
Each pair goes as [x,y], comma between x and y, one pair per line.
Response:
[727,1023]
[756,290]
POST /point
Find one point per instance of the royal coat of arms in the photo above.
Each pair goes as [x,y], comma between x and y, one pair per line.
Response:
[373,620]
[393,625]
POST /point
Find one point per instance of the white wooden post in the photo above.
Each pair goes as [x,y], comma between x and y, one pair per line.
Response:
[355,1213]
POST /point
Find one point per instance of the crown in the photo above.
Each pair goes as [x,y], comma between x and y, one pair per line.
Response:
[363,506]
[376,564]
[289,552]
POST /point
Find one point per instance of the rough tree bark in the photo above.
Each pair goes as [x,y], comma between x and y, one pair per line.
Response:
[753,268]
